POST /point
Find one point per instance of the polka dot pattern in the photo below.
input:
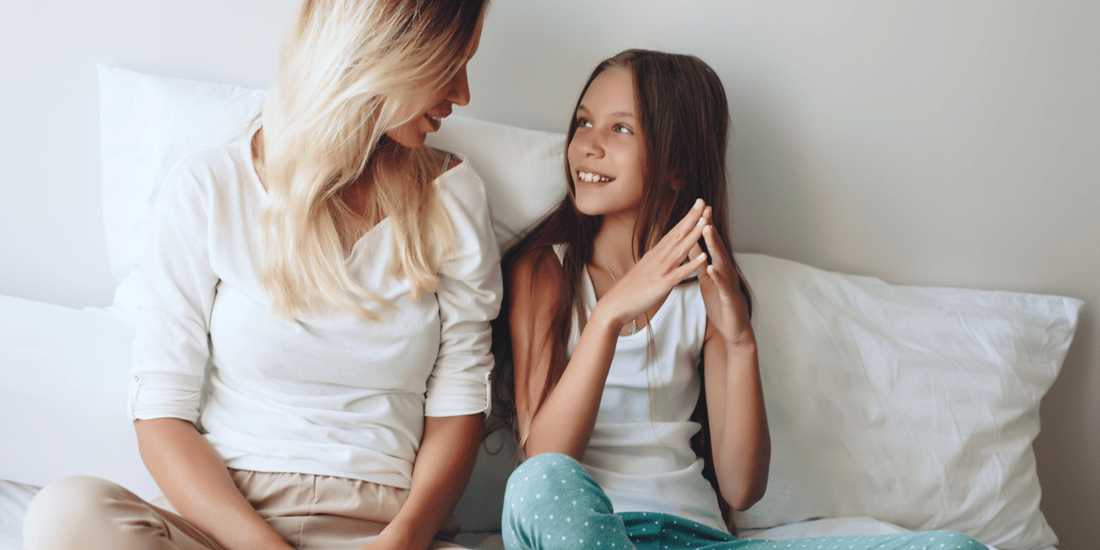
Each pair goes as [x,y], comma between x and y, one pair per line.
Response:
[552,503]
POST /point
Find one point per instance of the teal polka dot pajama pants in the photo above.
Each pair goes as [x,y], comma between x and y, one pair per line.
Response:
[551,503]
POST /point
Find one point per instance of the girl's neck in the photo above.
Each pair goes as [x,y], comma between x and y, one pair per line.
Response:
[614,244]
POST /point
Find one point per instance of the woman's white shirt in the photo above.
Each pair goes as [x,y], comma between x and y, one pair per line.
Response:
[333,394]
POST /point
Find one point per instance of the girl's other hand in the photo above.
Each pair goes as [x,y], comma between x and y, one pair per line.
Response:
[650,280]
[726,305]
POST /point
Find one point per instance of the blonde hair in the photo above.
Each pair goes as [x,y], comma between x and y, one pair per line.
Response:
[324,131]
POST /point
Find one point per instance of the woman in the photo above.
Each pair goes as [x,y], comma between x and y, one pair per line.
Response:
[338,277]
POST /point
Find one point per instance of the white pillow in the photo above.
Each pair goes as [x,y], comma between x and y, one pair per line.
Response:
[148,123]
[524,170]
[913,405]
[63,399]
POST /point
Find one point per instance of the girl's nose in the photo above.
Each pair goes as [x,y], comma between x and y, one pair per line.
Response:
[590,143]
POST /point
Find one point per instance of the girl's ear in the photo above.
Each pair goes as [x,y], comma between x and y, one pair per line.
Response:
[677,181]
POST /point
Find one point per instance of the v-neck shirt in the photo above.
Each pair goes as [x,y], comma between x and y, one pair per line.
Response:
[330,394]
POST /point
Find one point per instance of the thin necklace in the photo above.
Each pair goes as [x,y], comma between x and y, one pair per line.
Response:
[633,322]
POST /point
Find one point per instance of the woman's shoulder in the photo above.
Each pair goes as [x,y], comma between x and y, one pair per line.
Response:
[207,174]
[460,181]
[214,160]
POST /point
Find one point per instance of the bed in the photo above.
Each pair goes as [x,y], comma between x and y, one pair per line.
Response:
[891,407]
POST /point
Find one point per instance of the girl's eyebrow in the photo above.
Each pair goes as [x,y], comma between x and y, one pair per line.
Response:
[616,114]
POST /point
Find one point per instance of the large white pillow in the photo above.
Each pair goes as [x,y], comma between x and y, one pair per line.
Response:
[913,405]
[148,123]
[63,397]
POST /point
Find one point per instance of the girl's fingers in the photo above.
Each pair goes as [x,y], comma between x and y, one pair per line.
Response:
[717,253]
[690,221]
[689,267]
[716,275]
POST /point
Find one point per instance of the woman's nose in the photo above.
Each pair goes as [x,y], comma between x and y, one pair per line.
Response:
[460,88]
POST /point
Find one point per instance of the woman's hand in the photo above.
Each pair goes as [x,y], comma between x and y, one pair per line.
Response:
[448,451]
[197,483]
[661,268]
[726,305]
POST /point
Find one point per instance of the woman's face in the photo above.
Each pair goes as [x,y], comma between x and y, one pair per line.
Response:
[431,106]
[606,155]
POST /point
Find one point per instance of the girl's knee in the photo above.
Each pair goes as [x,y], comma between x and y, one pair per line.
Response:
[546,476]
[551,502]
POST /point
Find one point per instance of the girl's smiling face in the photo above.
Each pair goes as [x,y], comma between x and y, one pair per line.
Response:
[607,154]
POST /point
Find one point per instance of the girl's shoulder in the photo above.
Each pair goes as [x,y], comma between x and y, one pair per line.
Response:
[539,260]
[535,281]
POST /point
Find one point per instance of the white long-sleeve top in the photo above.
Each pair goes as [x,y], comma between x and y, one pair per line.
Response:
[334,394]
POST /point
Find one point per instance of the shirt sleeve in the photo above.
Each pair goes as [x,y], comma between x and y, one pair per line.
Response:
[471,288]
[171,349]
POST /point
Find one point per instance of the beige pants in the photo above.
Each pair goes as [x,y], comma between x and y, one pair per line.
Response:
[310,512]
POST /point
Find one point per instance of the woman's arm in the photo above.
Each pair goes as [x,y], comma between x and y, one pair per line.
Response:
[457,391]
[443,465]
[740,443]
[196,482]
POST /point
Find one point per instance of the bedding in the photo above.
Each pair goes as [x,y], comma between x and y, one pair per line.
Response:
[891,407]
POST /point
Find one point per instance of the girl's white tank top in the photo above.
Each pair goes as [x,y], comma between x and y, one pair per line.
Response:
[640,452]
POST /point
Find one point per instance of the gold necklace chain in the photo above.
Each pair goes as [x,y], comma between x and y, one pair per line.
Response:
[633,322]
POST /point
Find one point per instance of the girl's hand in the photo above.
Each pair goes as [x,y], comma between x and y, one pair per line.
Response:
[726,305]
[661,268]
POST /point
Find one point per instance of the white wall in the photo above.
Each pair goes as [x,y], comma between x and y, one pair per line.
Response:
[935,142]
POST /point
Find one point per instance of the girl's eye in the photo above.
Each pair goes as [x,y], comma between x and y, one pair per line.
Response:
[583,123]
[619,128]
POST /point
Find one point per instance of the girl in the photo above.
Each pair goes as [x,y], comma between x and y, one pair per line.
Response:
[339,277]
[612,302]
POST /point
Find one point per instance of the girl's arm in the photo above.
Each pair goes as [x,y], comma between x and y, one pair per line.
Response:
[564,421]
[197,483]
[740,444]
[442,468]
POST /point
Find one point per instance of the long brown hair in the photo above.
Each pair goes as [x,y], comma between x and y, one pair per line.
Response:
[684,118]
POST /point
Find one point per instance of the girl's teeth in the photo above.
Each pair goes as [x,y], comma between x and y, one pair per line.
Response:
[589,177]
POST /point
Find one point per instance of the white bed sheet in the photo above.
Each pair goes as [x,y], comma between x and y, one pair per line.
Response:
[14,498]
